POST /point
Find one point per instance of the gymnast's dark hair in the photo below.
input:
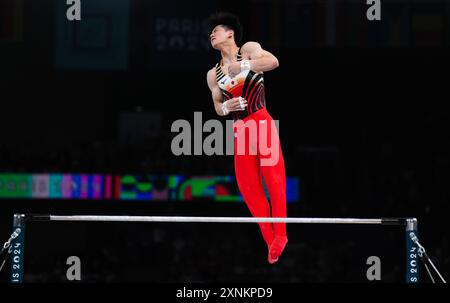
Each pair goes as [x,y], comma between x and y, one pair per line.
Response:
[229,21]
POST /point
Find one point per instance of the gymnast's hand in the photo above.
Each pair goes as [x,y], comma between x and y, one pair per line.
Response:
[235,104]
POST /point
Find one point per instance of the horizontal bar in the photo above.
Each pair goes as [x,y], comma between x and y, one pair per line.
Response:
[204,219]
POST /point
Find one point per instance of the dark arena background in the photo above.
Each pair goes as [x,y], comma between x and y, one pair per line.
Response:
[86,108]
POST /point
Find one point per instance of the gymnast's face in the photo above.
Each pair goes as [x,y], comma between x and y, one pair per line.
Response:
[219,35]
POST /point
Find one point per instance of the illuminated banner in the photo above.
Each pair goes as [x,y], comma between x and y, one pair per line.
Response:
[40,186]
[182,188]
[55,186]
[128,187]
[15,186]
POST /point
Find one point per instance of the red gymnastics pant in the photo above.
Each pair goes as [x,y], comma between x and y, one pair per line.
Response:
[256,162]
